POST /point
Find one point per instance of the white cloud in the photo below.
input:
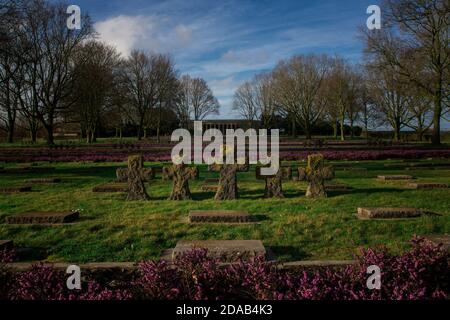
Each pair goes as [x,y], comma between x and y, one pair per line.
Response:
[184,33]
[124,32]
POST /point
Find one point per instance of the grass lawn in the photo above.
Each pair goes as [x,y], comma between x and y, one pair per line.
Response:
[295,228]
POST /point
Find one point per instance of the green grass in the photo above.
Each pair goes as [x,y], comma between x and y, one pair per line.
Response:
[295,228]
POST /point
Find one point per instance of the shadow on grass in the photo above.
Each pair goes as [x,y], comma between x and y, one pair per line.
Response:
[289,252]
[31,254]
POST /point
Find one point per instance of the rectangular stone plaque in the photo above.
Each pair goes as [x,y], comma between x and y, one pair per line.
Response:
[217,216]
[395,178]
[337,187]
[391,213]
[428,186]
[42,218]
[43,180]
[15,189]
[224,250]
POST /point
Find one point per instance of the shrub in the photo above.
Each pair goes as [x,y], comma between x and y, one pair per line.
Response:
[422,273]
[45,283]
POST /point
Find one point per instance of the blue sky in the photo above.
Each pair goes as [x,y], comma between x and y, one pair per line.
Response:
[227,42]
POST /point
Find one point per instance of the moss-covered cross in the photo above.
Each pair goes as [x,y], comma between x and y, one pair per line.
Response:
[180,175]
[316,174]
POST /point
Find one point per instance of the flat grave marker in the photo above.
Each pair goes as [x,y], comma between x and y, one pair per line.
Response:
[43,217]
[443,239]
[19,189]
[391,213]
[428,185]
[398,177]
[43,180]
[219,216]
[224,250]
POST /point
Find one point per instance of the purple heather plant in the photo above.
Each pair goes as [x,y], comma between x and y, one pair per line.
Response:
[43,282]
[422,273]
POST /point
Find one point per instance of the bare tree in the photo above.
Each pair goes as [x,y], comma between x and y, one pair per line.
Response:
[50,57]
[95,76]
[416,40]
[182,107]
[420,111]
[255,100]
[196,100]
[167,86]
[265,99]
[297,85]
[139,82]
[245,101]
[391,96]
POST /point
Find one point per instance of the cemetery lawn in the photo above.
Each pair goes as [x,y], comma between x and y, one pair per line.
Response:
[294,228]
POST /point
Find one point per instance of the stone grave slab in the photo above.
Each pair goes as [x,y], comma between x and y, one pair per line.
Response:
[43,217]
[43,180]
[398,177]
[391,213]
[419,168]
[111,188]
[438,239]
[352,169]
[218,216]
[224,250]
[6,244]
[19,189]
[428,186]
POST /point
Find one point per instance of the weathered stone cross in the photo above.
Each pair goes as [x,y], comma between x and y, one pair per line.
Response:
[315,173]
[274,188]
[147,174]
[180,174]
[227,189]
[136,187]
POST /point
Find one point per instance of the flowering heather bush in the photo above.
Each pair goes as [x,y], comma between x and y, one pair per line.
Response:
[160,153]
[45,283]
[6,256]
[420,274]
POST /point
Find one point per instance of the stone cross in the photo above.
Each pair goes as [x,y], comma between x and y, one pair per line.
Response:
[180,174]
[274,188]
[315,173]
[227,189]
[147,174]
[136,187]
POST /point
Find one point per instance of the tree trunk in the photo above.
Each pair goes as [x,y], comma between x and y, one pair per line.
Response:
[308,131]
[335,129]
[33,135]
[294,130]
[11,133]
[342,131]
[436,138]
[352,135]
[397,131]
[50,136]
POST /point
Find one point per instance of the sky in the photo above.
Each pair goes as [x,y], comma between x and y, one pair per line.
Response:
[228,42]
